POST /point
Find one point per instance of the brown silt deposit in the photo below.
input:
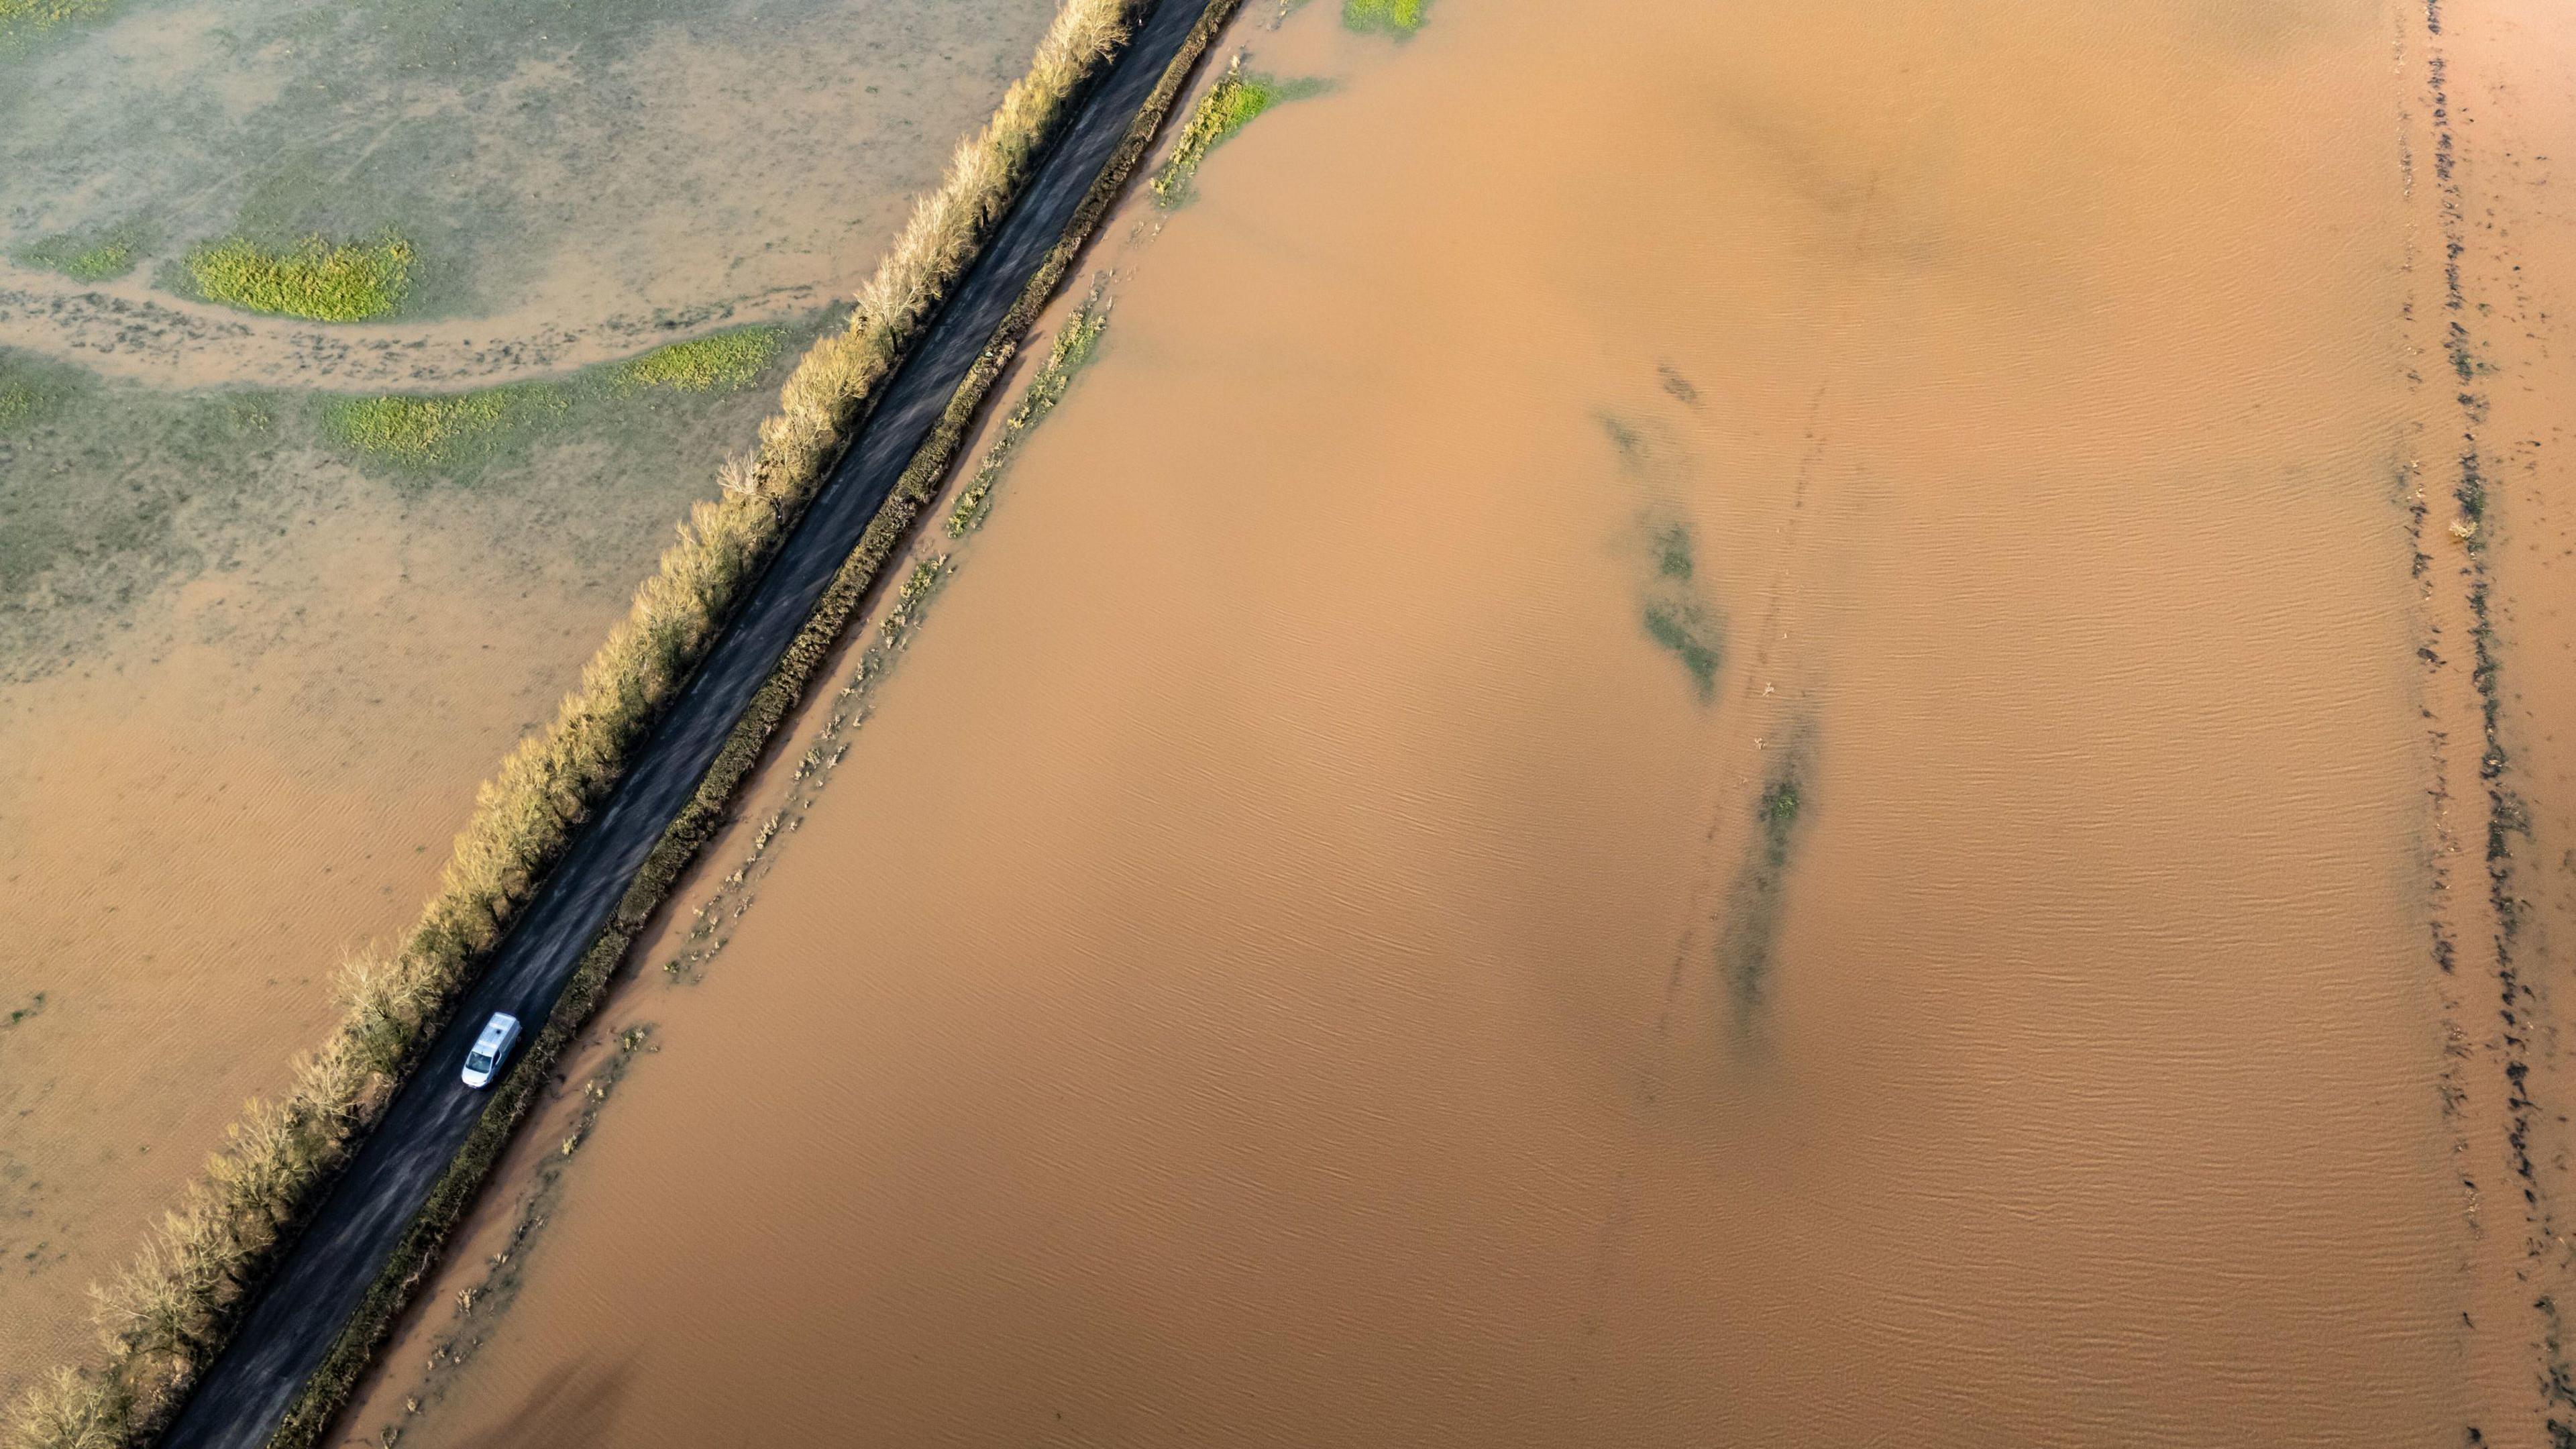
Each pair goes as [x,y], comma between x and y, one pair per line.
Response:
[1734,725]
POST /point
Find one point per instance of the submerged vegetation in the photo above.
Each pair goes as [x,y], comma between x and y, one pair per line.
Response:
[170,1312]
[1672,605]
[1674,615]
[1392,17]
[96,257]
[1750,930]
[327,282]
[721,362]
[1231,104]
[1076,343]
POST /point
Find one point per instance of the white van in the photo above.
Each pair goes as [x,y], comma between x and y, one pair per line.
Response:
[491,1049]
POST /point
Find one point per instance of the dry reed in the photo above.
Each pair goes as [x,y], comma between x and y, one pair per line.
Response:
[168,1313]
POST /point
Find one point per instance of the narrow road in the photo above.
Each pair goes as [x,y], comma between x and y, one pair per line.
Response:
[293,1324]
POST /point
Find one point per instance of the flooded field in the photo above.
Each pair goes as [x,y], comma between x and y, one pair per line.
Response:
[1753,725]
[264,623]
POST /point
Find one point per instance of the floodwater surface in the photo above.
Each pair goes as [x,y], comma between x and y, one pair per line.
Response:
[1707,731]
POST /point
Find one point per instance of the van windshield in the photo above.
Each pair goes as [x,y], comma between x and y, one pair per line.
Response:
[479,1062]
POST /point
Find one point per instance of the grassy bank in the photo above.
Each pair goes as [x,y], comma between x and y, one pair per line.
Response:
[170,1312]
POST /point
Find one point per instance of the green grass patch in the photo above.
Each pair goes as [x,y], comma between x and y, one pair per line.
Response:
[1230,105]
[91,257]
[1386,17]
[721,362]
[325,281]
[1076,343]
[430,432]
[24,18]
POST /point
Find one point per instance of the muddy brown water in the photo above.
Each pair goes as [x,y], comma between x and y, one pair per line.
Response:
[1710,729]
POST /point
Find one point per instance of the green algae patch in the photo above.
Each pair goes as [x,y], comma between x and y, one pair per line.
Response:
[1386,17]
[1231,104]
[321,280]
[723,362]
[431,432]
[94,257]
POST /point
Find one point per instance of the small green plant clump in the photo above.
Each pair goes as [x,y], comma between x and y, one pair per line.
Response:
[1389,17]
[349,282]
[723,362]
[1230,105]
[425,432]
[98,257]
[1076,343]
[28,17]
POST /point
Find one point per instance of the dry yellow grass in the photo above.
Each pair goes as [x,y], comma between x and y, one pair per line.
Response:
[165,1316]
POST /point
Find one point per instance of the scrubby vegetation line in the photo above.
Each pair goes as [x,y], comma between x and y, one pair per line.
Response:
[168,1314]
[325,281]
